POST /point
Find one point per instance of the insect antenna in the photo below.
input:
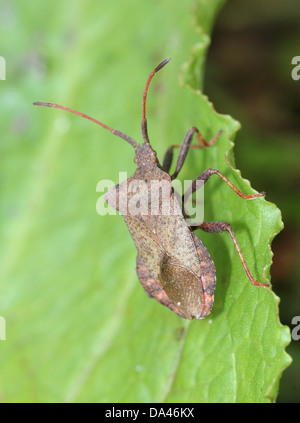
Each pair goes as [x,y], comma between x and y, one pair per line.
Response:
[125,137]
[144,120]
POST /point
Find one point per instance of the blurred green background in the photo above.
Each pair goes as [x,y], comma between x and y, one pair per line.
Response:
[83,55]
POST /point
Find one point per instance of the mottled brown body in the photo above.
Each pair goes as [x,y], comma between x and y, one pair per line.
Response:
[173,265]
[206,284]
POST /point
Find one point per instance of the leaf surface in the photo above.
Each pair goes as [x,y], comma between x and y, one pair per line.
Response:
[79,326]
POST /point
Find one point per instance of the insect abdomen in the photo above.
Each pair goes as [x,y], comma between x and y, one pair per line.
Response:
[182,286]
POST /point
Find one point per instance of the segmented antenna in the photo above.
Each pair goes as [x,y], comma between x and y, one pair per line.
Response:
[120,134]
[144,120]
[125,137]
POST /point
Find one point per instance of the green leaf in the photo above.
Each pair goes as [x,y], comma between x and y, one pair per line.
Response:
[79,326]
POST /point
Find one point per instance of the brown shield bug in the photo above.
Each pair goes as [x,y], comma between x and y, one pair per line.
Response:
[173,265]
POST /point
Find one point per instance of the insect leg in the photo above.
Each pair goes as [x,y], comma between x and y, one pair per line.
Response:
[184,148]
[204,176]
[217,227]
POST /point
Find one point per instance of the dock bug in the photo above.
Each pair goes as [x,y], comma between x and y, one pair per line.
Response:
[173,265]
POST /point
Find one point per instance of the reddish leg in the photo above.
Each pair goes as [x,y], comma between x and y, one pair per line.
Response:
[184,148]
[217,227]
[204,176]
